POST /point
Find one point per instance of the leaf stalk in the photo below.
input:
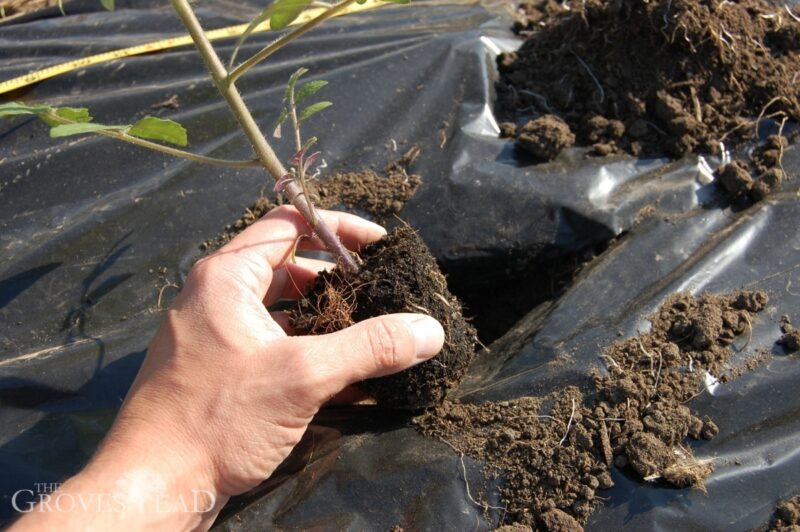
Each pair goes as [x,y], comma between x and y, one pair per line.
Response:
[263,150]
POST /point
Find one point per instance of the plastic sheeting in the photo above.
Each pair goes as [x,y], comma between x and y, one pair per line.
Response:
[91,230]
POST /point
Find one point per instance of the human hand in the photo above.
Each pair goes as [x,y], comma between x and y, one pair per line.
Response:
[225,393]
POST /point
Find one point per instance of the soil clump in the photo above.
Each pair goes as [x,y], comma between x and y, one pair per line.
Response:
[555,452]
[791,336]
[652,78]
[545,137]
[398,274]
[754,179]
[787,516]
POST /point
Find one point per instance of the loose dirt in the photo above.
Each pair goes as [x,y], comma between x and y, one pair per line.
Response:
[377,196]
[398,274]
[555,452]
[13,8]
[652,78]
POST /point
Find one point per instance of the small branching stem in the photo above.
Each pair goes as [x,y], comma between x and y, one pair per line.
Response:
[298,141]
[262,148]
[285,39]
[175,152]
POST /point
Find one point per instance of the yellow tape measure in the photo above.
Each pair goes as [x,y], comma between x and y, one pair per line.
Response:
[164,44]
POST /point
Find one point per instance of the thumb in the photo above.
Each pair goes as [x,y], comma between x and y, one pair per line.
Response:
[374,348]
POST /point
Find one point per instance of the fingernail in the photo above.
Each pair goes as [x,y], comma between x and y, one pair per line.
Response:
[428,335]
[371,226]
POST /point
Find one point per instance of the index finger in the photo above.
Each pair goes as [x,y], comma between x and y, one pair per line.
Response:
[275,235]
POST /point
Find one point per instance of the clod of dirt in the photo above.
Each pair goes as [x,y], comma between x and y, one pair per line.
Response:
[791,341]
[557,521]
[791,337]
[734,178]
[508,130]
[555,452]
[398,274]
[769,154]
[766,184]
[545,137]
[681,76]
[787,516]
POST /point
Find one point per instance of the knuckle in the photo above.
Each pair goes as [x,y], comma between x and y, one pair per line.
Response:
[224,270]
[388,342]
[202,273]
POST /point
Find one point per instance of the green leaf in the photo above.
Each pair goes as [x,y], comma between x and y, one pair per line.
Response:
[310,142]
[308,89]
[280,14]
[313,109]
[75,114]
[154,128]
[108,4]
[293,81]
[397,1]
[261,17]
[285,12]
[17,109]
[66,130]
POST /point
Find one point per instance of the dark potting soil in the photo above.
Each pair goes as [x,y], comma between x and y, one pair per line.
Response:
[787,516]
[555,452]
[378,196]
[653,78]
[398,274]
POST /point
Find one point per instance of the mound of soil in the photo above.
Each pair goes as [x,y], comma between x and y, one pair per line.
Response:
[555,452]
[381,196]
[666,76]
[398,274]
[787,516]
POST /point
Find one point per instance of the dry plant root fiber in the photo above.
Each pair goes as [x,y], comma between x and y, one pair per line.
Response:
[398,274]
[555,452]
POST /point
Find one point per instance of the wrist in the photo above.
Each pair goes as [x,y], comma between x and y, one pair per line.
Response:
[135,480]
